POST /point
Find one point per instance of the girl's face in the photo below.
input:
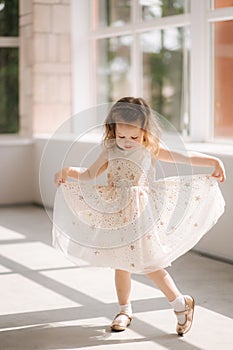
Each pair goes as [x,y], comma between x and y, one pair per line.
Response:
[128,136]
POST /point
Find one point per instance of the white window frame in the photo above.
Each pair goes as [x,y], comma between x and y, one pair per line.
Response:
[9,41]
[199,19]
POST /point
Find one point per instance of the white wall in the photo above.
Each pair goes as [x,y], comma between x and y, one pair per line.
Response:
[16,164]
[51,156]
[219,241]
[25,179]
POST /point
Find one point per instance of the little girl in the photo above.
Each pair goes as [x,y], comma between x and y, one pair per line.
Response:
[135,224]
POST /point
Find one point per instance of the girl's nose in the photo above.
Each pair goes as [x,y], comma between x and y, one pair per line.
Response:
[128,142]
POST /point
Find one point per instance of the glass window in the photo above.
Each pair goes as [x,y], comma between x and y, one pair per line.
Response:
[111,13]
[113,68]
[9,90]
[166,73]
[151,9]
[9,61]
[9,17]
[223,78]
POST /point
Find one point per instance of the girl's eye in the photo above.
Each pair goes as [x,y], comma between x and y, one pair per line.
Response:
[121,137]
[134,138]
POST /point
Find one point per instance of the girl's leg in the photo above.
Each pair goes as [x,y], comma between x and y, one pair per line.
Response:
[182,305]
[123,289]
[165,283]
[123,286]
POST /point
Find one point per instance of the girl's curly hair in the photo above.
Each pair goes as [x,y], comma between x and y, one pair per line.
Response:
[130,110]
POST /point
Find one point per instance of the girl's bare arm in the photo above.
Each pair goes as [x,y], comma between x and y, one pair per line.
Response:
[196,159]
[96,169]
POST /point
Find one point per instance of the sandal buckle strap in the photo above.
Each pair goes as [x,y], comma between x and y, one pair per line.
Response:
[123,313]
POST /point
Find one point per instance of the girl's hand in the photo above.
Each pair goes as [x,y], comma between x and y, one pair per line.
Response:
[219,171]
[60,177]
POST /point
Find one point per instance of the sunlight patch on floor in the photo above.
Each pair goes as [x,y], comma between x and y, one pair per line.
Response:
[7,234]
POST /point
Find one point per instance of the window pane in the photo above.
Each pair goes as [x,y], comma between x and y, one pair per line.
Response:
[9,18]
[112,12]
[223,78]
[9,90]
[113,68]
[152,9]
[166,74]
[222,3]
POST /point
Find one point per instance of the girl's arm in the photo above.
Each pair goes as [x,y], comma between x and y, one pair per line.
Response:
[96,169]
[196,159]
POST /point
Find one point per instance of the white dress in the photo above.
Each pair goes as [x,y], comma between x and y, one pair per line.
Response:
[134,222]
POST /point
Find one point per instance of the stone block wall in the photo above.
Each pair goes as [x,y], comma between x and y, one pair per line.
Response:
[45,62]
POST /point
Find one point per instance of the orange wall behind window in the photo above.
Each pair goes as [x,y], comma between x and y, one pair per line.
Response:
[223,3]
[223,76]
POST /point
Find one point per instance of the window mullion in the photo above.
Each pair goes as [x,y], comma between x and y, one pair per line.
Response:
[82,79]
[221,14]
[140,27]
[135,52]
[9,41]
[199,73]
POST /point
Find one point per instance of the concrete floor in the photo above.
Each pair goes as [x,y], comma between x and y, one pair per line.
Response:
[48,303]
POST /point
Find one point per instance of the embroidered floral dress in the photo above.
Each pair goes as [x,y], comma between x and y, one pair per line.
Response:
[134,222]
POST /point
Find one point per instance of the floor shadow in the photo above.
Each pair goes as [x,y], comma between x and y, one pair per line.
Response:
[44,337]
[20,219]
[204,278]
[27,319]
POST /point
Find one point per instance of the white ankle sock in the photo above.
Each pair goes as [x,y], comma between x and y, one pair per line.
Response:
[179,305]
[127,308]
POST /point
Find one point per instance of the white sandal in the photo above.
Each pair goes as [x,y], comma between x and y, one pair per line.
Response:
[121,324]
[181,329]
